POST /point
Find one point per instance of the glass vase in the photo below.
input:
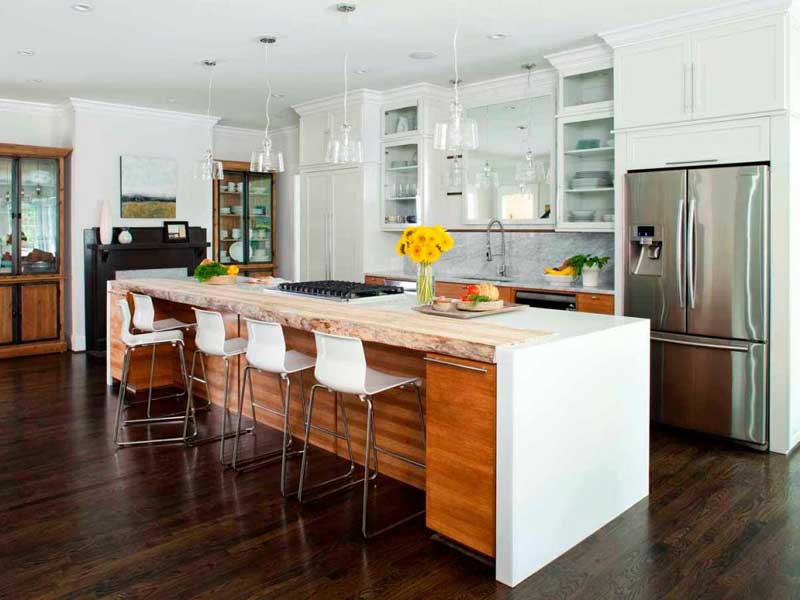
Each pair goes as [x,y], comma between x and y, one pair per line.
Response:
[425,284]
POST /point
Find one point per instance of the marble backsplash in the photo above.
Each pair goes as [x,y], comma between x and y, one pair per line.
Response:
[528,253]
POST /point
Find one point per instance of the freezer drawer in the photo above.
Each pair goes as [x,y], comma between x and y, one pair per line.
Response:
[710,385]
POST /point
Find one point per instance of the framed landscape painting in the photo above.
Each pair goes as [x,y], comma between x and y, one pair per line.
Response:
[148,187]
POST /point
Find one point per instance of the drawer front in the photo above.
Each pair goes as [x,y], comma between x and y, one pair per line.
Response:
[451,290]
[602,304]
[460,476]
[370,280]
[696,145]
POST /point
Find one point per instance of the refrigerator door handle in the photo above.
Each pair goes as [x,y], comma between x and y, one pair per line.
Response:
[690,255]
[730,347]
[679,251]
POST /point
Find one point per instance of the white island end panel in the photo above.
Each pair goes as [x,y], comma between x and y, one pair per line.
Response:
[573,437]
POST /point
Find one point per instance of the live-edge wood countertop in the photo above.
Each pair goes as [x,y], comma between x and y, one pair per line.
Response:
[471,340]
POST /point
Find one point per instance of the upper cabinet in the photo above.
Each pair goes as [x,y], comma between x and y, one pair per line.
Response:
[726,70]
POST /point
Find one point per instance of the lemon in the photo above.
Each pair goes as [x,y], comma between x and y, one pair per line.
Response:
[233,270]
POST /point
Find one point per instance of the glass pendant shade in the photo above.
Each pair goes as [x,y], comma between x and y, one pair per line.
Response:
[208,169]
[266,160]
[455,176]
[526,170]
[487,178]
[456,134]
[345,147]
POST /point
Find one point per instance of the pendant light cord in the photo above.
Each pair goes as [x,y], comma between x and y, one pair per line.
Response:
[344,117]
[208,109]
[455,59]
[269,89]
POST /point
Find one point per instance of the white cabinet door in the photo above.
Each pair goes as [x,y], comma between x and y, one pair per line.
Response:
[652,82]
[314,132]
[315,211]
[739,68]
[347,225]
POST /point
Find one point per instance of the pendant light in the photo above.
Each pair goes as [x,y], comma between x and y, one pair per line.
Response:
[345,145]
[487,177]
[207,168]
[458,133]
[526,172]
[265,160]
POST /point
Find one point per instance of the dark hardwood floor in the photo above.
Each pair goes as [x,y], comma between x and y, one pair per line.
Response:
[80,520]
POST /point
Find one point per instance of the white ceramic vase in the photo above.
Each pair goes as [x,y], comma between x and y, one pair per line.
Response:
[106,231]
[590,276]
[125,237]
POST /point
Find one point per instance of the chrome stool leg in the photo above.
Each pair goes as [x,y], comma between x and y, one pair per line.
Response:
[371,444]
[151,420]
[302,488]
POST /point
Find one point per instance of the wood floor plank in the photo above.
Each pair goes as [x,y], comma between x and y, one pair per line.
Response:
[81,520]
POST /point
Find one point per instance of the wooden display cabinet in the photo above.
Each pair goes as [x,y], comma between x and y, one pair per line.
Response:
[32,250]
[244,219]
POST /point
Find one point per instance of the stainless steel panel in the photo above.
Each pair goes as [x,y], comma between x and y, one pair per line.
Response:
[727,252]
[710,385]
[655,199]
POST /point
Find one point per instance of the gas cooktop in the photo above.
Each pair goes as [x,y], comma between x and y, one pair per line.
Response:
[343,291]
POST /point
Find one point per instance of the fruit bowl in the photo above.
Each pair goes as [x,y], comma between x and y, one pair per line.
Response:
[558,279]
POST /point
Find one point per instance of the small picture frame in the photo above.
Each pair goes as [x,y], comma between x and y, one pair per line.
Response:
[176,232]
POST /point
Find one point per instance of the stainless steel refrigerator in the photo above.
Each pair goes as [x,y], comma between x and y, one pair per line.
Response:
[697,266]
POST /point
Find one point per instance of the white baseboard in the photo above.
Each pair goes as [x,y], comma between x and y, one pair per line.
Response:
[77,343]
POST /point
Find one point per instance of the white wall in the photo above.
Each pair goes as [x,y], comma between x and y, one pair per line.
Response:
[34,123]
[101,134]
[234,143]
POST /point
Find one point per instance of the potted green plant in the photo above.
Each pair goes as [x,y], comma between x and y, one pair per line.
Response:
[588,267]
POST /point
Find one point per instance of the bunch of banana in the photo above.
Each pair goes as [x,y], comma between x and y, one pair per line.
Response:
[565,270]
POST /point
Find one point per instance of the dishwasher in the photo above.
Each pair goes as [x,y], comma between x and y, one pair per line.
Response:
[545,300]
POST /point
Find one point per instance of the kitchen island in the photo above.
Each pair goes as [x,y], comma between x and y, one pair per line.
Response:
[538,420]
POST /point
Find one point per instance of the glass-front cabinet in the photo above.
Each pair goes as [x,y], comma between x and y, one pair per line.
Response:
[401,120]
[29,216]
[586,190]
[244,206]
[402,184]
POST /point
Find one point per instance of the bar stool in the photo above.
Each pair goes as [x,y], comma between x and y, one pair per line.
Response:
[144,321]
[210,341]
[342,368]
[266,353]
[132,342]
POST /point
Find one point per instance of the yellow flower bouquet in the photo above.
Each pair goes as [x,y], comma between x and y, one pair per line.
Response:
[424,246]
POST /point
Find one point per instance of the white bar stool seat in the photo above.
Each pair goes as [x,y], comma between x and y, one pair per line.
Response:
[267,353]
[342,368]
[132,342]
[210,341]
[144,320]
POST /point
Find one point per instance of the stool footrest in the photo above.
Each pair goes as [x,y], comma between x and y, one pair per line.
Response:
[155,420]
[405,459]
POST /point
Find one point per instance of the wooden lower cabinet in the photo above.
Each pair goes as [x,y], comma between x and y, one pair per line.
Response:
[460,477]
[6,314]
[602,304]
[38,312]
[370,280]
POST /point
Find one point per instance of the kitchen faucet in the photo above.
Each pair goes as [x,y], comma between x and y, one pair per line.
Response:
[503,268]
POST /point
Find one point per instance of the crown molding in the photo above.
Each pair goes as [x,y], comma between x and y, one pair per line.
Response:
[543,82]
[364,96]
[231,130]
[96,106]
[25,106]
[414,90]
[581,60]
[742,9]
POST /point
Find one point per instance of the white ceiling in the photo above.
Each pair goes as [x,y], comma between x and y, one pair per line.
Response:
[147,52]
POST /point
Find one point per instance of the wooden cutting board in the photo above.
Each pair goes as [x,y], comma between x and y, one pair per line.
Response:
[467,314]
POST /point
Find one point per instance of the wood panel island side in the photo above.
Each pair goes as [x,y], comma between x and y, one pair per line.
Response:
[537,421]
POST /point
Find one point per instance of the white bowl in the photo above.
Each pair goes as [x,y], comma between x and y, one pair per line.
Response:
[559,279]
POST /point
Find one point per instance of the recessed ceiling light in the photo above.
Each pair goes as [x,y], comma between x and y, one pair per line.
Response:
[208,62]
[278,95]
[35,80]
[497,36]
[361,71]
[422,55]
[172,100]
[26,52]
[82,7]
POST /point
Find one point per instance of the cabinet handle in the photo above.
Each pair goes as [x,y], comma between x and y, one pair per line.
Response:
[456,365]
[695,90]
[691,162]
